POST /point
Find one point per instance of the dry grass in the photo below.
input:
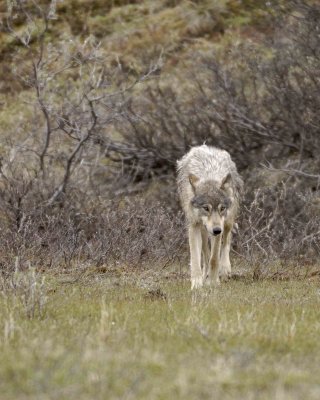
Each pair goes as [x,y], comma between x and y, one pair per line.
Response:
[145,337]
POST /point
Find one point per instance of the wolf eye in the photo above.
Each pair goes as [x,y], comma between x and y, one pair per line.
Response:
[206,208]
[222,208]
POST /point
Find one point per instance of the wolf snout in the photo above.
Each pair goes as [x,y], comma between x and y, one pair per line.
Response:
[216,231]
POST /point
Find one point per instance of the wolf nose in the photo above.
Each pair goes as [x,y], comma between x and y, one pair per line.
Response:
[216,231]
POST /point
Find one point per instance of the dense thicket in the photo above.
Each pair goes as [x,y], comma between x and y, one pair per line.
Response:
[88,177]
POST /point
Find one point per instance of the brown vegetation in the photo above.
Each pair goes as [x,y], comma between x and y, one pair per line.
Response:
[89,149]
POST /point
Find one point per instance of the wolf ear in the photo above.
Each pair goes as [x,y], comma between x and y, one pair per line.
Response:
[226,182]
[193,181]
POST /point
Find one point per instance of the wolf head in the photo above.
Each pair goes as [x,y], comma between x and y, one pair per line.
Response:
[211,202]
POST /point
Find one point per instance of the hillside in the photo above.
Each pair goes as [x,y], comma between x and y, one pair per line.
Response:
[99,99]
[137,32]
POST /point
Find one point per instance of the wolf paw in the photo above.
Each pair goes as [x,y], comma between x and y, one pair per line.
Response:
[225,273]
[196,282]
[212,282]
[225,277]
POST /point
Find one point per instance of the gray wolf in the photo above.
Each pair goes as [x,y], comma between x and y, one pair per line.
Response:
[210,188]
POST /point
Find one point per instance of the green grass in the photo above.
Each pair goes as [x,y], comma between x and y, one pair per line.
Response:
[141,340]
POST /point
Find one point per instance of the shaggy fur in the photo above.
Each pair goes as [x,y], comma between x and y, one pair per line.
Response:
[209,187]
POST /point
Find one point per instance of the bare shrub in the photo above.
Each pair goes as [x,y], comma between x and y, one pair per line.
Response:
[92,140]
[276,227]
[71,98]
[261,104]
[54,178]
[132,234]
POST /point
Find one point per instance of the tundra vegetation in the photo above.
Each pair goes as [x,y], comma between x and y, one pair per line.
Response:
[98,99]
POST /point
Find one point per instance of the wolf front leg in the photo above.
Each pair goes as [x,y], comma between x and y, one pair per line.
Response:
[213,277]
[195,243]
[225,265]
[205,255]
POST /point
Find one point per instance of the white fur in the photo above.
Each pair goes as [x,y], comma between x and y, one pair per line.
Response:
[206,169]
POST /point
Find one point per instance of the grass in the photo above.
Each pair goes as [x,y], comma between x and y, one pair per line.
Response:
[154,339]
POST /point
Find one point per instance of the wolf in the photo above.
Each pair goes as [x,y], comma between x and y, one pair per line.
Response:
[210,189]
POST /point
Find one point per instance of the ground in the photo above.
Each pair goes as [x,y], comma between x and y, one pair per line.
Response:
[144,338]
